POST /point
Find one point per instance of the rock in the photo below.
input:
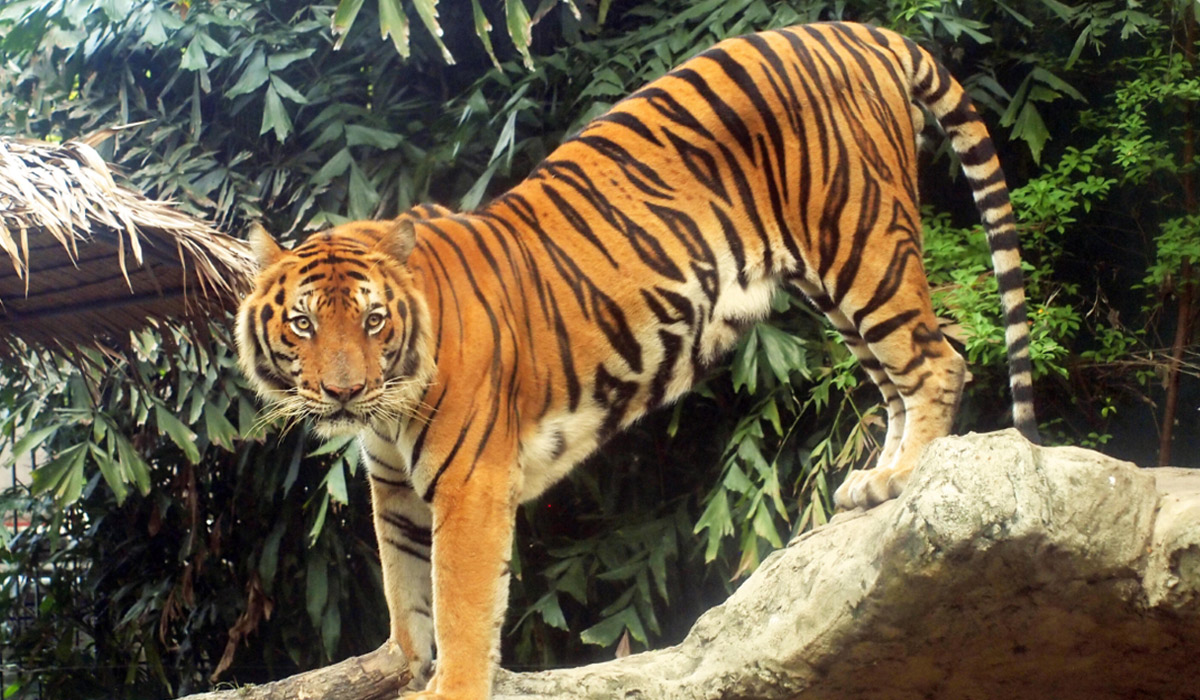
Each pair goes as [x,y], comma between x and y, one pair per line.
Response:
[1004,570]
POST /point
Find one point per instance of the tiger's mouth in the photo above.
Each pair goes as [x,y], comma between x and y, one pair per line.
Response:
[338,421]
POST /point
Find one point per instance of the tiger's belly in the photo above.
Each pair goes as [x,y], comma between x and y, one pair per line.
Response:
[557,444]
[565,438]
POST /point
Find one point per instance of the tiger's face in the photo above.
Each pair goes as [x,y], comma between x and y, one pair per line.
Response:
[334,330]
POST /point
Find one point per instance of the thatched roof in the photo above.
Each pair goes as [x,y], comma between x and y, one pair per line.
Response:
[93,260]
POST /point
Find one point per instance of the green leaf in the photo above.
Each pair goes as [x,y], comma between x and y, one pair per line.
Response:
[179,433]
[331,629]
[268,561]
[111,472]
[275,116]
[287,91]
[279,61]
[193,57]
[334,167]
[319,521]
[220,430]
[394,23]
[317,588]
[363,195]
[336,483]
[427,11]
[520,29]
[252,78]
[718,521]
[133,466]
[343,19]
[609,630]
[376,138]
[332,446]
[483,29]
[63,475]
[32,440]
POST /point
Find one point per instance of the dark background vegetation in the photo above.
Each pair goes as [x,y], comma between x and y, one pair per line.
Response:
[174,539]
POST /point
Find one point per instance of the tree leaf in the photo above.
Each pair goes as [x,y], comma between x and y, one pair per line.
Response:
[279,61]
[343,19]
[287,91]
[483,29]
[520,29]
[275,116]
[336,483]
[31,440]
[394,23]
[357,135]
[179,433]
[111,472]
[427,11]
[193,57]
[252,78]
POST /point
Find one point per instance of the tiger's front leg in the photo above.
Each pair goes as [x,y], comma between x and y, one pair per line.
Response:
[474,508]
[402,528]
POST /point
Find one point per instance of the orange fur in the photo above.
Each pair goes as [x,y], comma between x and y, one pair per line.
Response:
[517,338]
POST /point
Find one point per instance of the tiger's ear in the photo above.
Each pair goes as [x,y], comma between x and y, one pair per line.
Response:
[266,251]
[400,240]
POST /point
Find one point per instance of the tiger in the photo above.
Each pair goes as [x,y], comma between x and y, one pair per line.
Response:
[479,356]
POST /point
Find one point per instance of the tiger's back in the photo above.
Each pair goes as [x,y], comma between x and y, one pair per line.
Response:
[604,284]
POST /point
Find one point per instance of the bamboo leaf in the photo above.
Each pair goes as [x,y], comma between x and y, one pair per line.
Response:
[287,91]
[193,56]
[394,23]
[111,472]
[520,29]
[343,19]
[32,440]
[179,433]
[427,11]
[252,78]
[275,116]
[483,29]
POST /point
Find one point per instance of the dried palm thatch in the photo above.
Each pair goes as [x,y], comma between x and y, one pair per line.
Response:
[93,260]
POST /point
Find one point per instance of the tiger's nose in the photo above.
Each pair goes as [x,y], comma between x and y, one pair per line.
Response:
[342,393]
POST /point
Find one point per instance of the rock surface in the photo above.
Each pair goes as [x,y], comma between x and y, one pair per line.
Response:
[1004,570]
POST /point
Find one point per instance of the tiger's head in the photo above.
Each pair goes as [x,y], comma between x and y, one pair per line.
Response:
[335,330]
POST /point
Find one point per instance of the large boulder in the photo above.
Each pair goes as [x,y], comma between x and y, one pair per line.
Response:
[1004,570]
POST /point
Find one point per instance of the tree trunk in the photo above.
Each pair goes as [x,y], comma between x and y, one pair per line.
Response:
[1004,570]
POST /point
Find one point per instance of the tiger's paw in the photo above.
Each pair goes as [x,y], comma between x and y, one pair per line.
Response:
[868,488]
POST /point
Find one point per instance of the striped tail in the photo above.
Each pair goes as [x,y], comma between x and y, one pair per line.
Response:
[941,94]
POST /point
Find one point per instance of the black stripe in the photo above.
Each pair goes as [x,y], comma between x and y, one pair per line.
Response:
[672,344]
[1005,240]
[1009,280]
[883,329]
[992,200]
[390,482]
[982,152]
[630,122]
[404,547]
[729,117]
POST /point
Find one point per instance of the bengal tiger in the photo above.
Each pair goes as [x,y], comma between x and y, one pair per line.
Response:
[479,356]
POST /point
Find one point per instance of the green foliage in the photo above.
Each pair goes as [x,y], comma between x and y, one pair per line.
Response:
[173,531]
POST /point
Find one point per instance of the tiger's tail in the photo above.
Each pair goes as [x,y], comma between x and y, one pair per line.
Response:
[938,91]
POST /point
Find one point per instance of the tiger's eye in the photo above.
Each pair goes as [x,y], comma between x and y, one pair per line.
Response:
[302,325]
[375,321]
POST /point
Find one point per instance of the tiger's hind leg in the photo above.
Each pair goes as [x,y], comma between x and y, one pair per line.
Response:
[874,369]
[889,312]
